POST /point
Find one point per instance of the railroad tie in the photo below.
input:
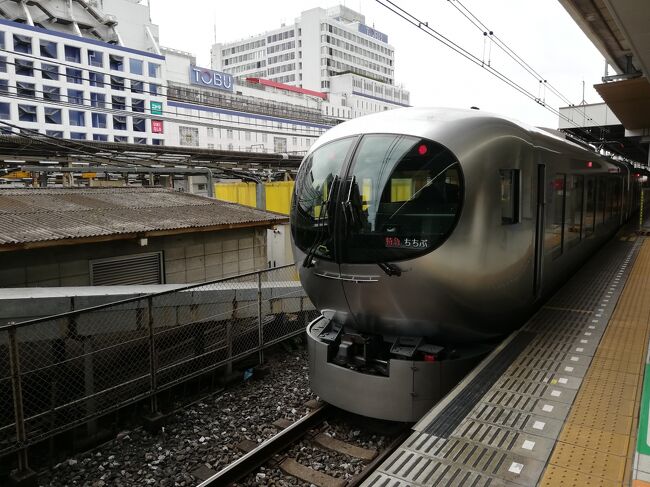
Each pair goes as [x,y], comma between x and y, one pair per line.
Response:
[282,423]
[339,446]
[306,474]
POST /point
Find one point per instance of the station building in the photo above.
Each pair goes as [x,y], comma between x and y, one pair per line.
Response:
[331,50]
[67,86]
[97,72]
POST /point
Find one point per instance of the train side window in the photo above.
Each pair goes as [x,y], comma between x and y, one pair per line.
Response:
[601,200]
[554,233]
[573,209]
[509,196]
[590,207]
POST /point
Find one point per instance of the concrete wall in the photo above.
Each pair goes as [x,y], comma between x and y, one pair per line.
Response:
[191,257]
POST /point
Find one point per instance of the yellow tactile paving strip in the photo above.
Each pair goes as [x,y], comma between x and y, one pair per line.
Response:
[597,443]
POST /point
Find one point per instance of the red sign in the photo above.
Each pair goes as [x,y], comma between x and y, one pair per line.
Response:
[157,126]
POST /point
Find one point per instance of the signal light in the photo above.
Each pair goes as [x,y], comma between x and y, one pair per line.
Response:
[590,164]
[422,149]
[429,357]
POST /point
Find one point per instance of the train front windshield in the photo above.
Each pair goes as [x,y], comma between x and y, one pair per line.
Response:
[398,198]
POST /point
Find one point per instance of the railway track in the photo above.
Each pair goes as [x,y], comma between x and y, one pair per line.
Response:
[312,428]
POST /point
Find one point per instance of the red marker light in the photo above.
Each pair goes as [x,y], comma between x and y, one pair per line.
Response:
[590,164]
[637,175]
[422,149]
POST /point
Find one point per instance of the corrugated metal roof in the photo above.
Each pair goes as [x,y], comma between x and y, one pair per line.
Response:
[40,215]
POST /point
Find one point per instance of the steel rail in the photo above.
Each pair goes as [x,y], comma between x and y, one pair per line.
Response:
[264,452]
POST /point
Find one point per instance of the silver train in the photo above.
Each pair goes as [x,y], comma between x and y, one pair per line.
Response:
[425,235]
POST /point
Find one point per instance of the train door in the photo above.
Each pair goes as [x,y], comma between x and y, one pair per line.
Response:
[539,230]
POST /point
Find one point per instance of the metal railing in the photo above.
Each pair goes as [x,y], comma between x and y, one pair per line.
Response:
[61,371]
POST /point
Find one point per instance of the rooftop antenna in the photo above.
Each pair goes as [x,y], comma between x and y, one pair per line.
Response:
[583,102]
[215,27]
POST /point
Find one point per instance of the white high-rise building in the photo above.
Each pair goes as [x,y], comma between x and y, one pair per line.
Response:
[314,52]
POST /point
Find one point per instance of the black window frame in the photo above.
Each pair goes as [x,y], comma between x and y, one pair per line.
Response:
[514,196]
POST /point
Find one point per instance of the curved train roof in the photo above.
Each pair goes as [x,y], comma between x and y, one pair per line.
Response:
[446,125]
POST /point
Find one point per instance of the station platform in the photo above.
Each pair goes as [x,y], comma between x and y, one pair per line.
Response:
[557,403]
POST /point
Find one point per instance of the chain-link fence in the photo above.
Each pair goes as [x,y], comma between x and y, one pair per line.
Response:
[61,371]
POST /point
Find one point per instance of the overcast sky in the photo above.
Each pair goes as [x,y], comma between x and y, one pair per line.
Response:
[539,31]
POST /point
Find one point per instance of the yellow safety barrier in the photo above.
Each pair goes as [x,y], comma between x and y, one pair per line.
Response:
[278,196]
[242,193]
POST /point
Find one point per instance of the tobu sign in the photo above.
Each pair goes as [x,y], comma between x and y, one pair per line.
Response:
[211,79]
[375,34]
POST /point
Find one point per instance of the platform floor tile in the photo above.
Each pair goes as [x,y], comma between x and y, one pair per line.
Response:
[597,442]
[503,430]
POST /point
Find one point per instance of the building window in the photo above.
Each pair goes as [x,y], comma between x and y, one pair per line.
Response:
[3,64]
[116,62]
[4,86]
[137,105]
[119,102]
[77,118]
[96,79]
[157,141]
[135,66]
[52,115]
[229,133]
[119,122]
[154,89]
[52,93]
[24,67]
[120,138]
[137,86]
[74,75]
[49,71]
[72,54]
[139,124]
[5,111]
[27,113]
[139,140]
[25,90]
[154,70]
[95,58]
[100,137]
[77,136]
[210,131]
[76,96]
[2,40]
[99,120]
[54,133]
[48,49]
[117,83]
[22,44]
[98,100]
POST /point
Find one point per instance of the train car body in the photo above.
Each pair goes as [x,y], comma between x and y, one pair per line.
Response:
[425,235]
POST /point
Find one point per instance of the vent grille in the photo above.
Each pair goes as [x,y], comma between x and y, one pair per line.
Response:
[131,269]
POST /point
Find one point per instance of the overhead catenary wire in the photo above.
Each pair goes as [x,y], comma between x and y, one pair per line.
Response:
[126,159]
[467,13]
[424,26]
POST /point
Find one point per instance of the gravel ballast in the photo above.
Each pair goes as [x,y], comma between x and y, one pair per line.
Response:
[204,434]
